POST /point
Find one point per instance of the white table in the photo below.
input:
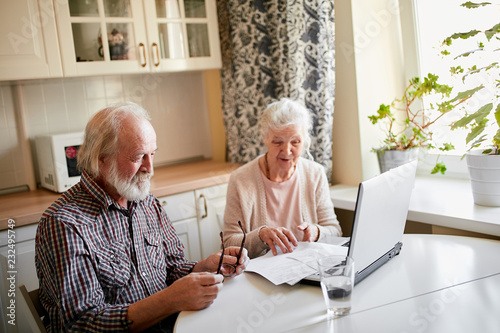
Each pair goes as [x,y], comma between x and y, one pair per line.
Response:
[437,284]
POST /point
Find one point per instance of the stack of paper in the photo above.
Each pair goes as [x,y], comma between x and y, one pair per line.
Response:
[292,267]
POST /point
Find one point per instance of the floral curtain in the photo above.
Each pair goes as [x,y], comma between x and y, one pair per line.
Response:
[273,49]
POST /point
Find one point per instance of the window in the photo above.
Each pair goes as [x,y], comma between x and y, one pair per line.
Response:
[434,21]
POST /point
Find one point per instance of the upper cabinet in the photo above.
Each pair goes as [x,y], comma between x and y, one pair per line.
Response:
[124,36]
[28,44]
[183,34]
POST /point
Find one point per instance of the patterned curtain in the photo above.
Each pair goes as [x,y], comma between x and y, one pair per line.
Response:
[273,49]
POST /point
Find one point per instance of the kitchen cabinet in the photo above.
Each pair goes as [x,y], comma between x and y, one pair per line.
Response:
[124,36]
[181,210]
[20,271]
[211,204]
[198,225]
[29,45]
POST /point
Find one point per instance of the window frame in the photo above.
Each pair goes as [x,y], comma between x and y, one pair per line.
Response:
[455,163]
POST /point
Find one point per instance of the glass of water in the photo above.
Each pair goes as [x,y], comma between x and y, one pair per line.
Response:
[337,283]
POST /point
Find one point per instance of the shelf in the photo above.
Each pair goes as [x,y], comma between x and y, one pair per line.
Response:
[445,202]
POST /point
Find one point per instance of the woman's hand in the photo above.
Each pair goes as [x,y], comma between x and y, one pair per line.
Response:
[311,232]
[281,237]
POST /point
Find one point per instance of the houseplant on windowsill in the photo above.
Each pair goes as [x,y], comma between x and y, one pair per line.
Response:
[481,117]
[408,125]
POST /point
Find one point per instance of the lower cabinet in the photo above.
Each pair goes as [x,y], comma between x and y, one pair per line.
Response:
[211,202]
[17,266]
[181,210]
[197,216]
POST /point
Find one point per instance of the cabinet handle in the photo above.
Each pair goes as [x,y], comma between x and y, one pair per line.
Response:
[205,203]
[143,58]
[155,46]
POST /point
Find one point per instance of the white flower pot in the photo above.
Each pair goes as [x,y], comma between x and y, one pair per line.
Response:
[389,159]
[484,172]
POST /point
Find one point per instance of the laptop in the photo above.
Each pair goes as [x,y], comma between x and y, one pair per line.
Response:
[379,220]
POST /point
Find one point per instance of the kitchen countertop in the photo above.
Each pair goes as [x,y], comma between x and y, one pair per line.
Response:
[27,207]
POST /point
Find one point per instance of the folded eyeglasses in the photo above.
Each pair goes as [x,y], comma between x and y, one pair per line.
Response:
[228,270]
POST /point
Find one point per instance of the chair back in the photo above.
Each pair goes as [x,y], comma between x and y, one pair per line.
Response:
[32,308]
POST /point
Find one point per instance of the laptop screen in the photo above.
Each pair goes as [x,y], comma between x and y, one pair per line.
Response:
[380,217]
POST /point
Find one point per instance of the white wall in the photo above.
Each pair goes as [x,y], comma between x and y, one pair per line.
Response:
[369,71]
[176,102]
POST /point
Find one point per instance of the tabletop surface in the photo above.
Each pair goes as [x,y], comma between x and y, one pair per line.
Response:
[439,272]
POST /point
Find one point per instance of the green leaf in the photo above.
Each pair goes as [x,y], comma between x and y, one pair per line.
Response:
[439,167]
[383,112]
[475,132]
[497,115]
[478,116]
[496,139]
[472,5]
[447,147]
[466,94]
[493,31]
[468,53]
[456,70]
[464,35]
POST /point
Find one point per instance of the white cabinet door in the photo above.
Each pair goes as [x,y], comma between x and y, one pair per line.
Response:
[181,210]
[28,45]
[131,36]
[183,34]
[187,230]
[102,37]
[20,271]
[211,204]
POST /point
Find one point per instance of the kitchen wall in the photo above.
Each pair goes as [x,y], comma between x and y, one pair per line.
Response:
[177,104]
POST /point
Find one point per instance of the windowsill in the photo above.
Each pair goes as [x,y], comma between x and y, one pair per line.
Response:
[438,201]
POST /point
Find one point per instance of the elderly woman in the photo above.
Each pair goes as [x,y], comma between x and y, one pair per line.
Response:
[280,197]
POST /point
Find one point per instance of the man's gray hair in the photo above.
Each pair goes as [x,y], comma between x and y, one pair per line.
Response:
[101,134]
[287,112]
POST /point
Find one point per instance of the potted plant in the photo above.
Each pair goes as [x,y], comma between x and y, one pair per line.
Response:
[481,115]
[408,124]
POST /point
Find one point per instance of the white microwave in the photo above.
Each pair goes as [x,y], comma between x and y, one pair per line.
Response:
[56,155]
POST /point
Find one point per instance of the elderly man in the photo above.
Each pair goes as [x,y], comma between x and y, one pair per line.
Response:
[107,256]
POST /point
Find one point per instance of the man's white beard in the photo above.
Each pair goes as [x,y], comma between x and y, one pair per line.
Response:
[135,189]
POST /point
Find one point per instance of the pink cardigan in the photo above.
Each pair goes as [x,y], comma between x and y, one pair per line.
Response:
[246,202]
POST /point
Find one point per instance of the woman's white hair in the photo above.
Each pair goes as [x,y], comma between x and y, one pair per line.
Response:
[284,113]
[101,135]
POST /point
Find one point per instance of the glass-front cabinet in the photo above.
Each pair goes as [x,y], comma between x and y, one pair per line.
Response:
[128,36]
[183,34]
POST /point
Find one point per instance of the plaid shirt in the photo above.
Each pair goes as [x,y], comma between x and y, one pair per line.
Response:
[95,258]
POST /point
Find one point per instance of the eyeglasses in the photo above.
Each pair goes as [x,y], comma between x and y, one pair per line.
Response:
[229,269]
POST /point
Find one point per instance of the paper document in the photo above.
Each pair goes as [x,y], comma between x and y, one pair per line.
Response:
[292,267]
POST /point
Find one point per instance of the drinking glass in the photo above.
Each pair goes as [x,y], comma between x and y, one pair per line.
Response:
[337,283]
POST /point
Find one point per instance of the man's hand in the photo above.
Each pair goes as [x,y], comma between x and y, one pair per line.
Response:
[281,237]
[211,263]
[311,232]
[195,291]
